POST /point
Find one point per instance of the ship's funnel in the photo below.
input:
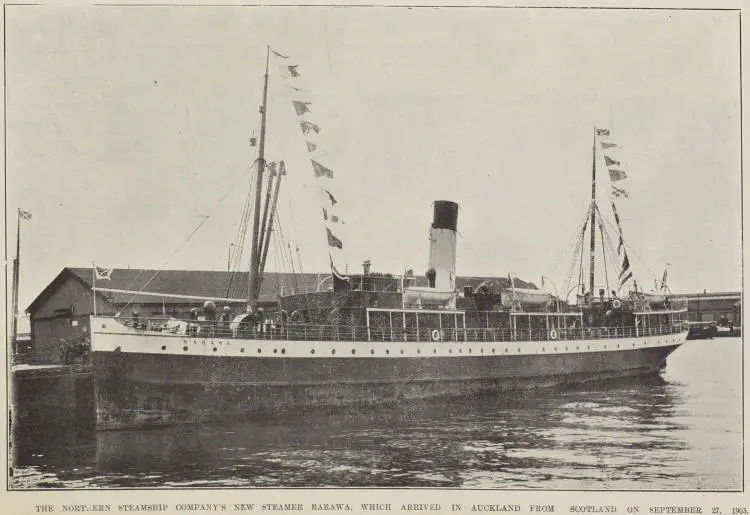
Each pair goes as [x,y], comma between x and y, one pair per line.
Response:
[442,264]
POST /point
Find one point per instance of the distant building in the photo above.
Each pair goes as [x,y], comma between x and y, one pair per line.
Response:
[62,309]
[710,307]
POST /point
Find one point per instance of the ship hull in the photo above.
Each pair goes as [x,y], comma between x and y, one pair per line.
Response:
[153,381]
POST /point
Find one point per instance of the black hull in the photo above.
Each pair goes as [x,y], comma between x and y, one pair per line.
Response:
[136,390]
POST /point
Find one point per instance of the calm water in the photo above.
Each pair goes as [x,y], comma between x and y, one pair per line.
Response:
[682,430]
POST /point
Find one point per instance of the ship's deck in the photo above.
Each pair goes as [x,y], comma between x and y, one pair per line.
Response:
[309,332]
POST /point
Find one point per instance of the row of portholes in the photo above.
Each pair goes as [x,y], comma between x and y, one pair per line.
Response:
[387,351]
[372,351]
[434,351]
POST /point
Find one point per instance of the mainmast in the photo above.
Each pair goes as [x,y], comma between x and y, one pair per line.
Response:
[593,224]
[253,282]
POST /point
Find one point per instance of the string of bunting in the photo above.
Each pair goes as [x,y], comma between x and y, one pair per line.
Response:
[616,174]
[323,173]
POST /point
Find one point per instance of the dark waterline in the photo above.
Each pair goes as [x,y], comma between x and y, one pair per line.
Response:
[678,431]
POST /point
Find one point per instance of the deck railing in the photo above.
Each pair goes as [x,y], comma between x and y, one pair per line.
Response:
[307,332]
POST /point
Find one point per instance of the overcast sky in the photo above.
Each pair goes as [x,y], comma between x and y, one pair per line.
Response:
[127,125]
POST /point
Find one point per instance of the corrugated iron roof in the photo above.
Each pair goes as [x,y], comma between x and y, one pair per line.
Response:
[204,283]
[201,283]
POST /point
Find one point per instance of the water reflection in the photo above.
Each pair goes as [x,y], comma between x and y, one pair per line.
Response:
[595,433]
[630,434]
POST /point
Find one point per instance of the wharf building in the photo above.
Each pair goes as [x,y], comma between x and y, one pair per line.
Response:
[61,311]
[714,306]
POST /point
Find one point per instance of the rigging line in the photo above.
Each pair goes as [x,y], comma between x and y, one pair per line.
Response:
[630,250]
[299,262]
[583,233]
[571,269]
[190,236]
[287,256]
[611,251]
[572,241]
[608,225]
[578,244]
[278,264]
[241,235]
[604,253]
[132,283]
[611,247]
[182,245]
[294,221]
[244,222]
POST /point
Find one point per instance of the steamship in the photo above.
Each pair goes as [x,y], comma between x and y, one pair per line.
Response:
[371,338]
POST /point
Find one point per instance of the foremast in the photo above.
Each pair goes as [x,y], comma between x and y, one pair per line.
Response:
[604,152]
[254,278]
[592,247]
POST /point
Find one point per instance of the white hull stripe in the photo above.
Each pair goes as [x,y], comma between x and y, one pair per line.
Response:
[218,347]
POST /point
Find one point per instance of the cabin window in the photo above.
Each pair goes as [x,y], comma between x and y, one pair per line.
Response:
[410,324]
[498,320]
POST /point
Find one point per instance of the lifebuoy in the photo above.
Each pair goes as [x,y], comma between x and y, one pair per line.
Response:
[435,335]
[617,303]
[553,334]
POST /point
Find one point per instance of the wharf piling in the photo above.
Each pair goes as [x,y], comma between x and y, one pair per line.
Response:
[45,396]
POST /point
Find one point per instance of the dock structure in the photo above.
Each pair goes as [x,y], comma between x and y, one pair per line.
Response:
[712,306]
[52,395]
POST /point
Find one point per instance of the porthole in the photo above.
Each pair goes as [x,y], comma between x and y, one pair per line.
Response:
[555,349]
[242,349]
[481,351]
[542,349]
[163,347]
[434,351]
[354,351]
[312,351]
[184,348]
[333,351]
[450,351]
[214,349]
[605,347]
[419,351]
[387,351]
[275,351]
[372,351]
[258,351]
[283,351]
[469,351]
[402,351]
[460,351]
